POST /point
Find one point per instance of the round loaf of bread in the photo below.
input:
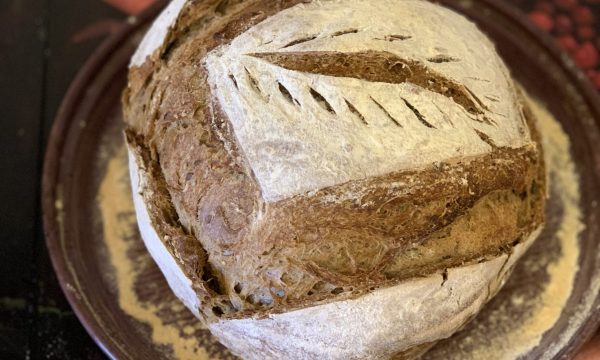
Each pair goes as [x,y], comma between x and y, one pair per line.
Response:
[330,179]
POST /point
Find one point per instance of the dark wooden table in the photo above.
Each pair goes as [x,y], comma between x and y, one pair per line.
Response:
[43,43]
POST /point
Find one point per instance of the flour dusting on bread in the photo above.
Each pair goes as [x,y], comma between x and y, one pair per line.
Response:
[155,37]
[326,157]
[326,125]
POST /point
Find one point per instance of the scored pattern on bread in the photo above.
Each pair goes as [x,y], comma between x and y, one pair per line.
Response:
[380,325]
[295,90]
[276,188]
[378,66]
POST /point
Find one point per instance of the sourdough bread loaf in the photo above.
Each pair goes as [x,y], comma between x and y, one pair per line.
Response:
[330,179]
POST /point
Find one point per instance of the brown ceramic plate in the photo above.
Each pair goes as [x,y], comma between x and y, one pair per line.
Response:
[122,300]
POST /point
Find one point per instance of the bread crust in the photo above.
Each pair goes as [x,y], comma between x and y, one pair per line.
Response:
[451,297]
[243,260]
[392,320]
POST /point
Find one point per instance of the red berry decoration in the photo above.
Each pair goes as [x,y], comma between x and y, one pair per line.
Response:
[563,24]
[586,56]
[568,43]
[565,4]
[591,73]
[575,25]
[586,32]
[542,20]
[544,6]
[583,15]
[596,81]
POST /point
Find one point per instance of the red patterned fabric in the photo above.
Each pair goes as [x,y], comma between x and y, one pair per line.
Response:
[575,25]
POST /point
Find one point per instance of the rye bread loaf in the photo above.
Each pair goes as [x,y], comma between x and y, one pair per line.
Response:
[329,179]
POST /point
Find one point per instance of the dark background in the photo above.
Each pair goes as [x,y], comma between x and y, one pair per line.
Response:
[43,43]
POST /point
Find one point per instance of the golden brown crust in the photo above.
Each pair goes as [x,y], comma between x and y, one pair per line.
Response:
[248,257]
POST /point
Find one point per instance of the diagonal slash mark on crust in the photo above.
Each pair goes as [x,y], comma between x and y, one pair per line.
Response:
[486,138]
[234,81]
[355,111]
[418,114]
[392,38]
[387,113]
[254,84]
[287,95]
[378,66]
[439,59]
[300,41]
[344,32]
[320,99]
